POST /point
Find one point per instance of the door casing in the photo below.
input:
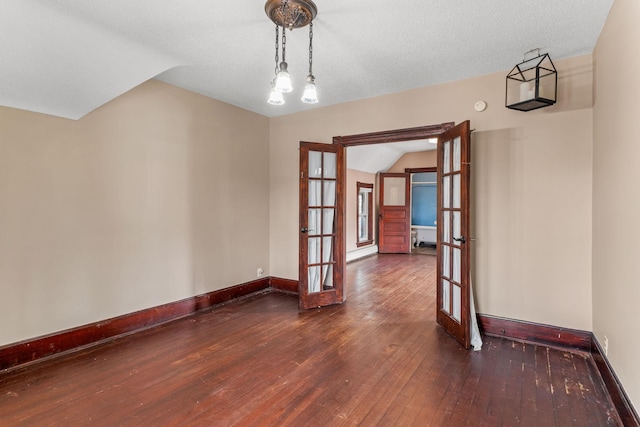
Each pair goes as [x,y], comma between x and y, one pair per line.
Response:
[408,134]
[397,135]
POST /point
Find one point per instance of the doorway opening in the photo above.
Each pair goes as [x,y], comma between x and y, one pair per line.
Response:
[424,207]
[399,230]
[322,259]
[452,189]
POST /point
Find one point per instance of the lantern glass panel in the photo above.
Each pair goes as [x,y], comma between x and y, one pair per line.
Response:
[532,84]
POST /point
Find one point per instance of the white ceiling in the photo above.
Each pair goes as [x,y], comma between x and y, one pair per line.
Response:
[68,57]
[376,158]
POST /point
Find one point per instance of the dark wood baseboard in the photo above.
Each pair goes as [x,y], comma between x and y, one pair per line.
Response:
[21,353]
[535,333]
[286,285]
[32,350]
[621,401]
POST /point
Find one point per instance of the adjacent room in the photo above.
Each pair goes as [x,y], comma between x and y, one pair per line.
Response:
[172,251]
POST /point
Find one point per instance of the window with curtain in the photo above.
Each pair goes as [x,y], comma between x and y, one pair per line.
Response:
[365,214]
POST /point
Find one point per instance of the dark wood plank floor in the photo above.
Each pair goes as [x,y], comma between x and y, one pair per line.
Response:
[379,359]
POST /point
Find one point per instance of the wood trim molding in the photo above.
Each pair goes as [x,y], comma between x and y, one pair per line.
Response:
[29,351]
[370,212]
[627,413]
[32,350]
[397,135]
[283,285]
[419,170]
[535,332]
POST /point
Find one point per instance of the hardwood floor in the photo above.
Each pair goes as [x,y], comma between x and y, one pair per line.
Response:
[378,359]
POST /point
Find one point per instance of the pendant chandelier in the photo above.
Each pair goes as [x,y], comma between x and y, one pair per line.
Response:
[290,14]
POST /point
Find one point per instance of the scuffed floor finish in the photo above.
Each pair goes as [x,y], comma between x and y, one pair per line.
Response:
[379,359]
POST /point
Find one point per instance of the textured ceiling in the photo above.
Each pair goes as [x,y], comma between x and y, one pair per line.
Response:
[68,57]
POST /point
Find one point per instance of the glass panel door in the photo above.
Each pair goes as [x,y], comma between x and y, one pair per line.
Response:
[453,230]
[321,220]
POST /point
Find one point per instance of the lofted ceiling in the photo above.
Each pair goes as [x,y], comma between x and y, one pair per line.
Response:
[69,57]
[376,158]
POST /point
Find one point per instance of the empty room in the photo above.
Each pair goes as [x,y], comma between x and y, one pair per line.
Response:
[206,213]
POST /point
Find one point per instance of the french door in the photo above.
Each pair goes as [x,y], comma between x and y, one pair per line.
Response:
[322,257]
[453,275]
[394,206]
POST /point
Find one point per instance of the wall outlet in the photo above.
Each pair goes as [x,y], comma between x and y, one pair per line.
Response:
[259,272]
[606,346]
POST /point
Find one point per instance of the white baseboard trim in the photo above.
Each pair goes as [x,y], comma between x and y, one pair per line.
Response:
[362,252]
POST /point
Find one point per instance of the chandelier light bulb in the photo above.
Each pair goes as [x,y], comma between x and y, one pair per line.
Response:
[275,97]
[310,95]
[283,80]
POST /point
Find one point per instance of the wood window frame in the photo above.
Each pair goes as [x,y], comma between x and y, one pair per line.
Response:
[369,241]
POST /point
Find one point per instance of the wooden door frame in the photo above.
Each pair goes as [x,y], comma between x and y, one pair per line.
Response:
[383,137]
[420,170]
[397,135]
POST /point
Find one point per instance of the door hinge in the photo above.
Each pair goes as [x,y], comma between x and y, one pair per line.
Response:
[301,174]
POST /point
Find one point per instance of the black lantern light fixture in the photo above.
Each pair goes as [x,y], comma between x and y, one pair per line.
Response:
[532,84]
[290,14]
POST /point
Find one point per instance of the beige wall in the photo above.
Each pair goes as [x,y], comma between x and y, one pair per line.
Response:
[420,159]
[616,200]
[159,195]
[532,191]
[353,177]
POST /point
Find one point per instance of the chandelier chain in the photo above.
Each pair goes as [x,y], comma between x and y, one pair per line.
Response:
[310,47]
[277,47]
[285,7]
[284,45]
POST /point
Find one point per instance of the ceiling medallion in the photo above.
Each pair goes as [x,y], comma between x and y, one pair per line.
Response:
[291,13]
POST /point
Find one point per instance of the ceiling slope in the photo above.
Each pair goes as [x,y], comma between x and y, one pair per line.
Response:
[59,64]
[68,57]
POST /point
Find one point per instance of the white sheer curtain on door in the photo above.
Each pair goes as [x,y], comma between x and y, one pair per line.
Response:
[322,202]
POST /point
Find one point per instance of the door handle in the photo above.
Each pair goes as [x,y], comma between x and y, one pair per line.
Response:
[460,239]
[305,230]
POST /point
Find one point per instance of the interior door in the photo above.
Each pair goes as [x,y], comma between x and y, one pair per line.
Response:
[453,285]
[322,257]
[394,213]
